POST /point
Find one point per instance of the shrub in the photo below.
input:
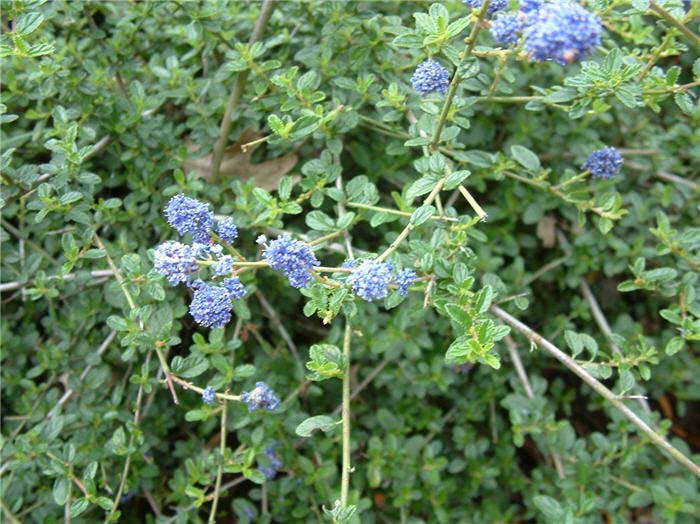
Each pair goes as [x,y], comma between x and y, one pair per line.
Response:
[305,262]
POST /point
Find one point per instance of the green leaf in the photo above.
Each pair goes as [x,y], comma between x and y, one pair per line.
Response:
[525,157]
[189,367]
[422,186]
[459,315]
[61,487]
[574,341]
[319,221]
[484,299]
[550,507]
[422,215]
[28,23]
[674,345]
[322,422]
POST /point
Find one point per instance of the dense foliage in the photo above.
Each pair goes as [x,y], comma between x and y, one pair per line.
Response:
[420,174]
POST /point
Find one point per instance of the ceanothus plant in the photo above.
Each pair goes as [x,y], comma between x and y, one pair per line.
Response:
[255,275]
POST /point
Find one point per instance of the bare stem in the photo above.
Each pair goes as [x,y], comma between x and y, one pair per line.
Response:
[570,363]
[345,474]
[220,470]
[220,146]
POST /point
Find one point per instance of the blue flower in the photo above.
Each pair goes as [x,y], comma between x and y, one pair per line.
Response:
[224,266]
[430,76]
[275,461]
[562,31]
[211,306]
[293,258]
[348,263]
[506,29]
[175,261]
[188,215]
[403,280]
[261,240]
[371,279]
[495,5]
[262,397]
[235,288]
[528,6]
[604,163]
[209,395]
[227,230]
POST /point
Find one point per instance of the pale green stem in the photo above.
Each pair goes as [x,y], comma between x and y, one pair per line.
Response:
[695,39]
[192,387]
[345,414]
[409,227]
[473,203]
[220,470]
[476,28]
[396,211]
[120,279]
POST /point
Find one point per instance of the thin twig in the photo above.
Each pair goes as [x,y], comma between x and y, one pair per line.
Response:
[677,180]
[220,469]
[220,146]
[274,317]
[570,363]
[345,472]
[132,305]
[10,286]
[366,382]
[525,381]
[602,322]
[101,349]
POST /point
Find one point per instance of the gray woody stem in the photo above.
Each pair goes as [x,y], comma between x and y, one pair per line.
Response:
[220,146]
[570,363]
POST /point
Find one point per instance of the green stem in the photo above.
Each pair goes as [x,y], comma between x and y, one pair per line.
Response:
[409,227]
[695,39]
[192,387]
[345,414]
[476,28]
[395,211]
[220,470]
[122,284]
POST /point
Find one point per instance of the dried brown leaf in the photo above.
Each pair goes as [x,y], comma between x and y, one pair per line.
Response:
[236,163]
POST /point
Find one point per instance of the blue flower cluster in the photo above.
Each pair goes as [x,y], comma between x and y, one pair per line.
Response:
[528,6]
[506,29]
[562,31]
[494,6]
[274,460]
[211,306]
[403,280]
[292,257]
[371,280]
[604,163]
[262,397]
[227,230]
[430,77]
[188,215]
[178,262]
[209,395]
[175,261]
